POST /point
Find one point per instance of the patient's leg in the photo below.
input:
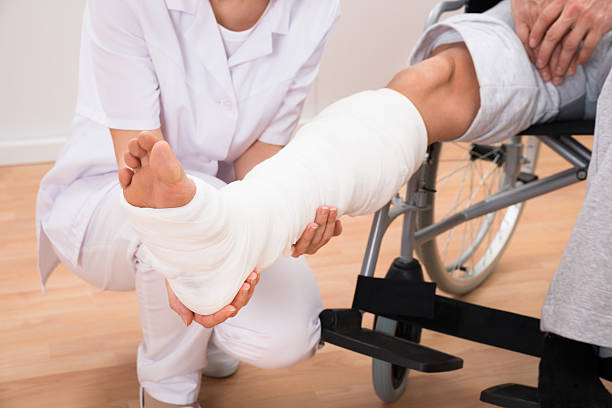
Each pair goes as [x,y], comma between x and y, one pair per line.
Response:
[354,155]
[445,90]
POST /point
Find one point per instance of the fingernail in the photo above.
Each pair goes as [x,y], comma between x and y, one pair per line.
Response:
[545,76]
[532,43]
[558,71]
[539,63]
[186,321]
[246,287]
[557,81]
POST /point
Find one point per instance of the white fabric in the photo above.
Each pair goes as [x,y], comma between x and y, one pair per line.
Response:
[232,40]
[355,155]
[151,63]
[279,326]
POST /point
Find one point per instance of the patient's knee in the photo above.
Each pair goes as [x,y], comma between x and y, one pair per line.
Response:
[445,90]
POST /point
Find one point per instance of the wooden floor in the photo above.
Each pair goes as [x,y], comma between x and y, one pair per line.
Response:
[76,346]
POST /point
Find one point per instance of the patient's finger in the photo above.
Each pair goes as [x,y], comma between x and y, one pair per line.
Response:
[588,46]
[553,37]
[546,18]
[569,49]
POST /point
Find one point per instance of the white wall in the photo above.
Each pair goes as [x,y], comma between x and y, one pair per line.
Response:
[39,42]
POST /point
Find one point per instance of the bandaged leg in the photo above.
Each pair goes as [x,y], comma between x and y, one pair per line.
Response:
[355,155]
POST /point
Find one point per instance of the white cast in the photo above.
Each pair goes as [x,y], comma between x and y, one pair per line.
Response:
[355,155]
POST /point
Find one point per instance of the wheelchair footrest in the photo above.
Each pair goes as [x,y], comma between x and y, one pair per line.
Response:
[381,346]
[511,396]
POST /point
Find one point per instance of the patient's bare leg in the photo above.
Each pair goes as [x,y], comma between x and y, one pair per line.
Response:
[445,90]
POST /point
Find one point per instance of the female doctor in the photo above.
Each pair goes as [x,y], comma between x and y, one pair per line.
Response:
[224,82]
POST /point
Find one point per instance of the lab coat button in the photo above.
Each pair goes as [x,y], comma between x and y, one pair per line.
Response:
[226,103]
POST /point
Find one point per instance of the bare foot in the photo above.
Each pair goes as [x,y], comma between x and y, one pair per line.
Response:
[157,179]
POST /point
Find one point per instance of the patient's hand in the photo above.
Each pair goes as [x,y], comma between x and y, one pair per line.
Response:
[559,35]
[525,14]
[575,25]
[241,299]
[319,232]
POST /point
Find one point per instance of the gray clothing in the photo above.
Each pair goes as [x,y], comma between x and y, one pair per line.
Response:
[513,97]
[579,301]
[512,94]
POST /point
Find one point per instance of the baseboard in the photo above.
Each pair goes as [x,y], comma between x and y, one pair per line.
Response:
[30,151]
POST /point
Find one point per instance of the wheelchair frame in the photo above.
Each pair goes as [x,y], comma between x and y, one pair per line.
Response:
[403,296]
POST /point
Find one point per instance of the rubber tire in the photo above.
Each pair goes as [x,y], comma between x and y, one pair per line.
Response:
[388,379]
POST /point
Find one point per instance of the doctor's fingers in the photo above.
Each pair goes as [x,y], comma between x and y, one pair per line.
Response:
[214,319]
[329,231]
[322,217]
[178,306]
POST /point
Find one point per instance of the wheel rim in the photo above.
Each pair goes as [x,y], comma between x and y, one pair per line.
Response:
[468,252]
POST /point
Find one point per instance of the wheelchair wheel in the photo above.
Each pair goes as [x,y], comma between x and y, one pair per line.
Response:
[389,379]
[458,175]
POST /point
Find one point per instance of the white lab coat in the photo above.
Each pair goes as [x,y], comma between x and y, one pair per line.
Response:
[147,64]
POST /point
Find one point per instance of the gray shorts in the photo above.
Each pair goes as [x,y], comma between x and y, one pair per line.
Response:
[512,94]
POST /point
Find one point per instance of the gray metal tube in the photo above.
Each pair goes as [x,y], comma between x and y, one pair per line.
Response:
[499,201]
[566,151]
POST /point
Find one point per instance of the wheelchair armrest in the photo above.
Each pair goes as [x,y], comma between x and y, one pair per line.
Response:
[564,128]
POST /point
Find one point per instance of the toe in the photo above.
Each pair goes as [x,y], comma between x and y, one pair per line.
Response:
[165,164]
[131,161]
[135,149]
[125,177]
[146,140]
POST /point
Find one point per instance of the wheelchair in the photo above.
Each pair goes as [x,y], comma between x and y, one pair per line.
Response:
[459,244]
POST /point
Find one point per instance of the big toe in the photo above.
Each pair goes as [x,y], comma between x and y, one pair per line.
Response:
[164,163]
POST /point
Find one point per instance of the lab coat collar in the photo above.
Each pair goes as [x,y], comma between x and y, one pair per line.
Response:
[206,37]
[186,6]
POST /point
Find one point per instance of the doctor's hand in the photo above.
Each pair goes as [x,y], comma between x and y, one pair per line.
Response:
[319,232]
[240,300]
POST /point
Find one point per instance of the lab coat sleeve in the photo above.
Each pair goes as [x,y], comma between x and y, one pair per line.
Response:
[286,118]
[124,75]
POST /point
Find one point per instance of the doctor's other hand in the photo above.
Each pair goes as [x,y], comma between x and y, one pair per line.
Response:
[240,300]
[319,232]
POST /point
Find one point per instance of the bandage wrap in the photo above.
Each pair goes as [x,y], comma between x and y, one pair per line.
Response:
[355,155]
